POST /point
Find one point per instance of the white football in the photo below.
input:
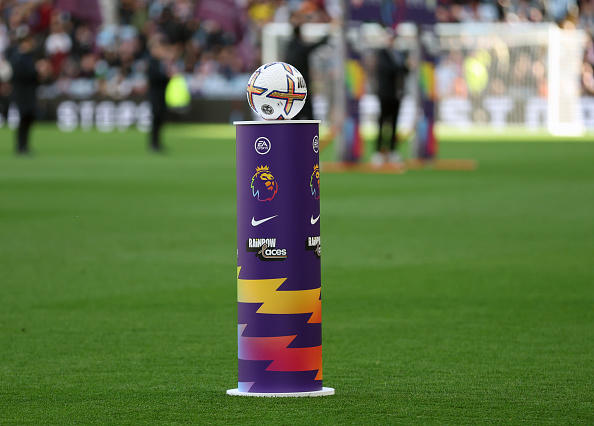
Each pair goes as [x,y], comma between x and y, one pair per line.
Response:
[276,91]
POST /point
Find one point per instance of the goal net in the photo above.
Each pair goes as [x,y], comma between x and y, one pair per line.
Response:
[502,75]
[488,76]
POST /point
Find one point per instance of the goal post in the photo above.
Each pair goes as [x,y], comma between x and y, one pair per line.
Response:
[566,49]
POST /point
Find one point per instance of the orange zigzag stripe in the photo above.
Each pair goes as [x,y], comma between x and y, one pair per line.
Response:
[275,349]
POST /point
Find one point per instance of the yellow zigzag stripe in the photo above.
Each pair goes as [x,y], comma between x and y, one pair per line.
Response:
[279,302]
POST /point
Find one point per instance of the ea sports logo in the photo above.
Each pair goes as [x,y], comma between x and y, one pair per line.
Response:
[316,144]
[262,145]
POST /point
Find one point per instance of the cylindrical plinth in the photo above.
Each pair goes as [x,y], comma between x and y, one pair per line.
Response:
[278,259]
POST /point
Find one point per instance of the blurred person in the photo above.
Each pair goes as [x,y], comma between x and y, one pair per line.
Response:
[497,87]
[475,11]
[261,11]
[42,16]
[183,10]
[587,79]
[126,11]
[126,56]
[589,51]
[83,41]
[314,11]
[206,66]
[229,62]
[159,72]
[392,70]
[502,7]
[587,16]
[571,20]
[140,16]
[443,14]
[25,77]
[170,26]
[446,73]
[282,11]
[522,76]
[58,43]
[298,54]
[70,69]
[212,36]
[87,66]
[521,10]
[106,39]
[476,71]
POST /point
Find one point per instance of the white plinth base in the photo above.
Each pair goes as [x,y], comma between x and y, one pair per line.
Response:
[323,392]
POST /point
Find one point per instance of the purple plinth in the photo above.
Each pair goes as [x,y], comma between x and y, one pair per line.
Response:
[278,257]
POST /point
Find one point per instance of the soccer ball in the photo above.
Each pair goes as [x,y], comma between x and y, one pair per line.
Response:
[276,91]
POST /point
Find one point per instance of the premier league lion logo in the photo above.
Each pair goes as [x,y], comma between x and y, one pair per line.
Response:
[264,186]
[314,182]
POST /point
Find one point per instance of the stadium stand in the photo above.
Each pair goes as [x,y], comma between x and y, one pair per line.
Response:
[99,49]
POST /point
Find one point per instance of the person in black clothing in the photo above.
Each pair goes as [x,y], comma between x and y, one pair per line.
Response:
[158,77]
[392,70]
[24,89]
[298,52]
[171,27]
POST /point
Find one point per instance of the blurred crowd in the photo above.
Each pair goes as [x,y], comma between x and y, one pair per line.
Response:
[568,14]
[83,52]
[528,69]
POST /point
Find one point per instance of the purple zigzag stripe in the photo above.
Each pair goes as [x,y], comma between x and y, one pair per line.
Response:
[271,325]
[293,284]
[276,381]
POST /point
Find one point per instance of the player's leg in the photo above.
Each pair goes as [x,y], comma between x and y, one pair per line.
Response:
[377,158]
[394,155]
[25,122]
[383,116]
[155,135]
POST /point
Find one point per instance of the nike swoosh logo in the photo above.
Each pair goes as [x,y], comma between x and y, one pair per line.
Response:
[258,222]
[313,221]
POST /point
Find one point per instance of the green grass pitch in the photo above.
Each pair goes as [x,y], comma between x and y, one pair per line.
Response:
[449,297]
